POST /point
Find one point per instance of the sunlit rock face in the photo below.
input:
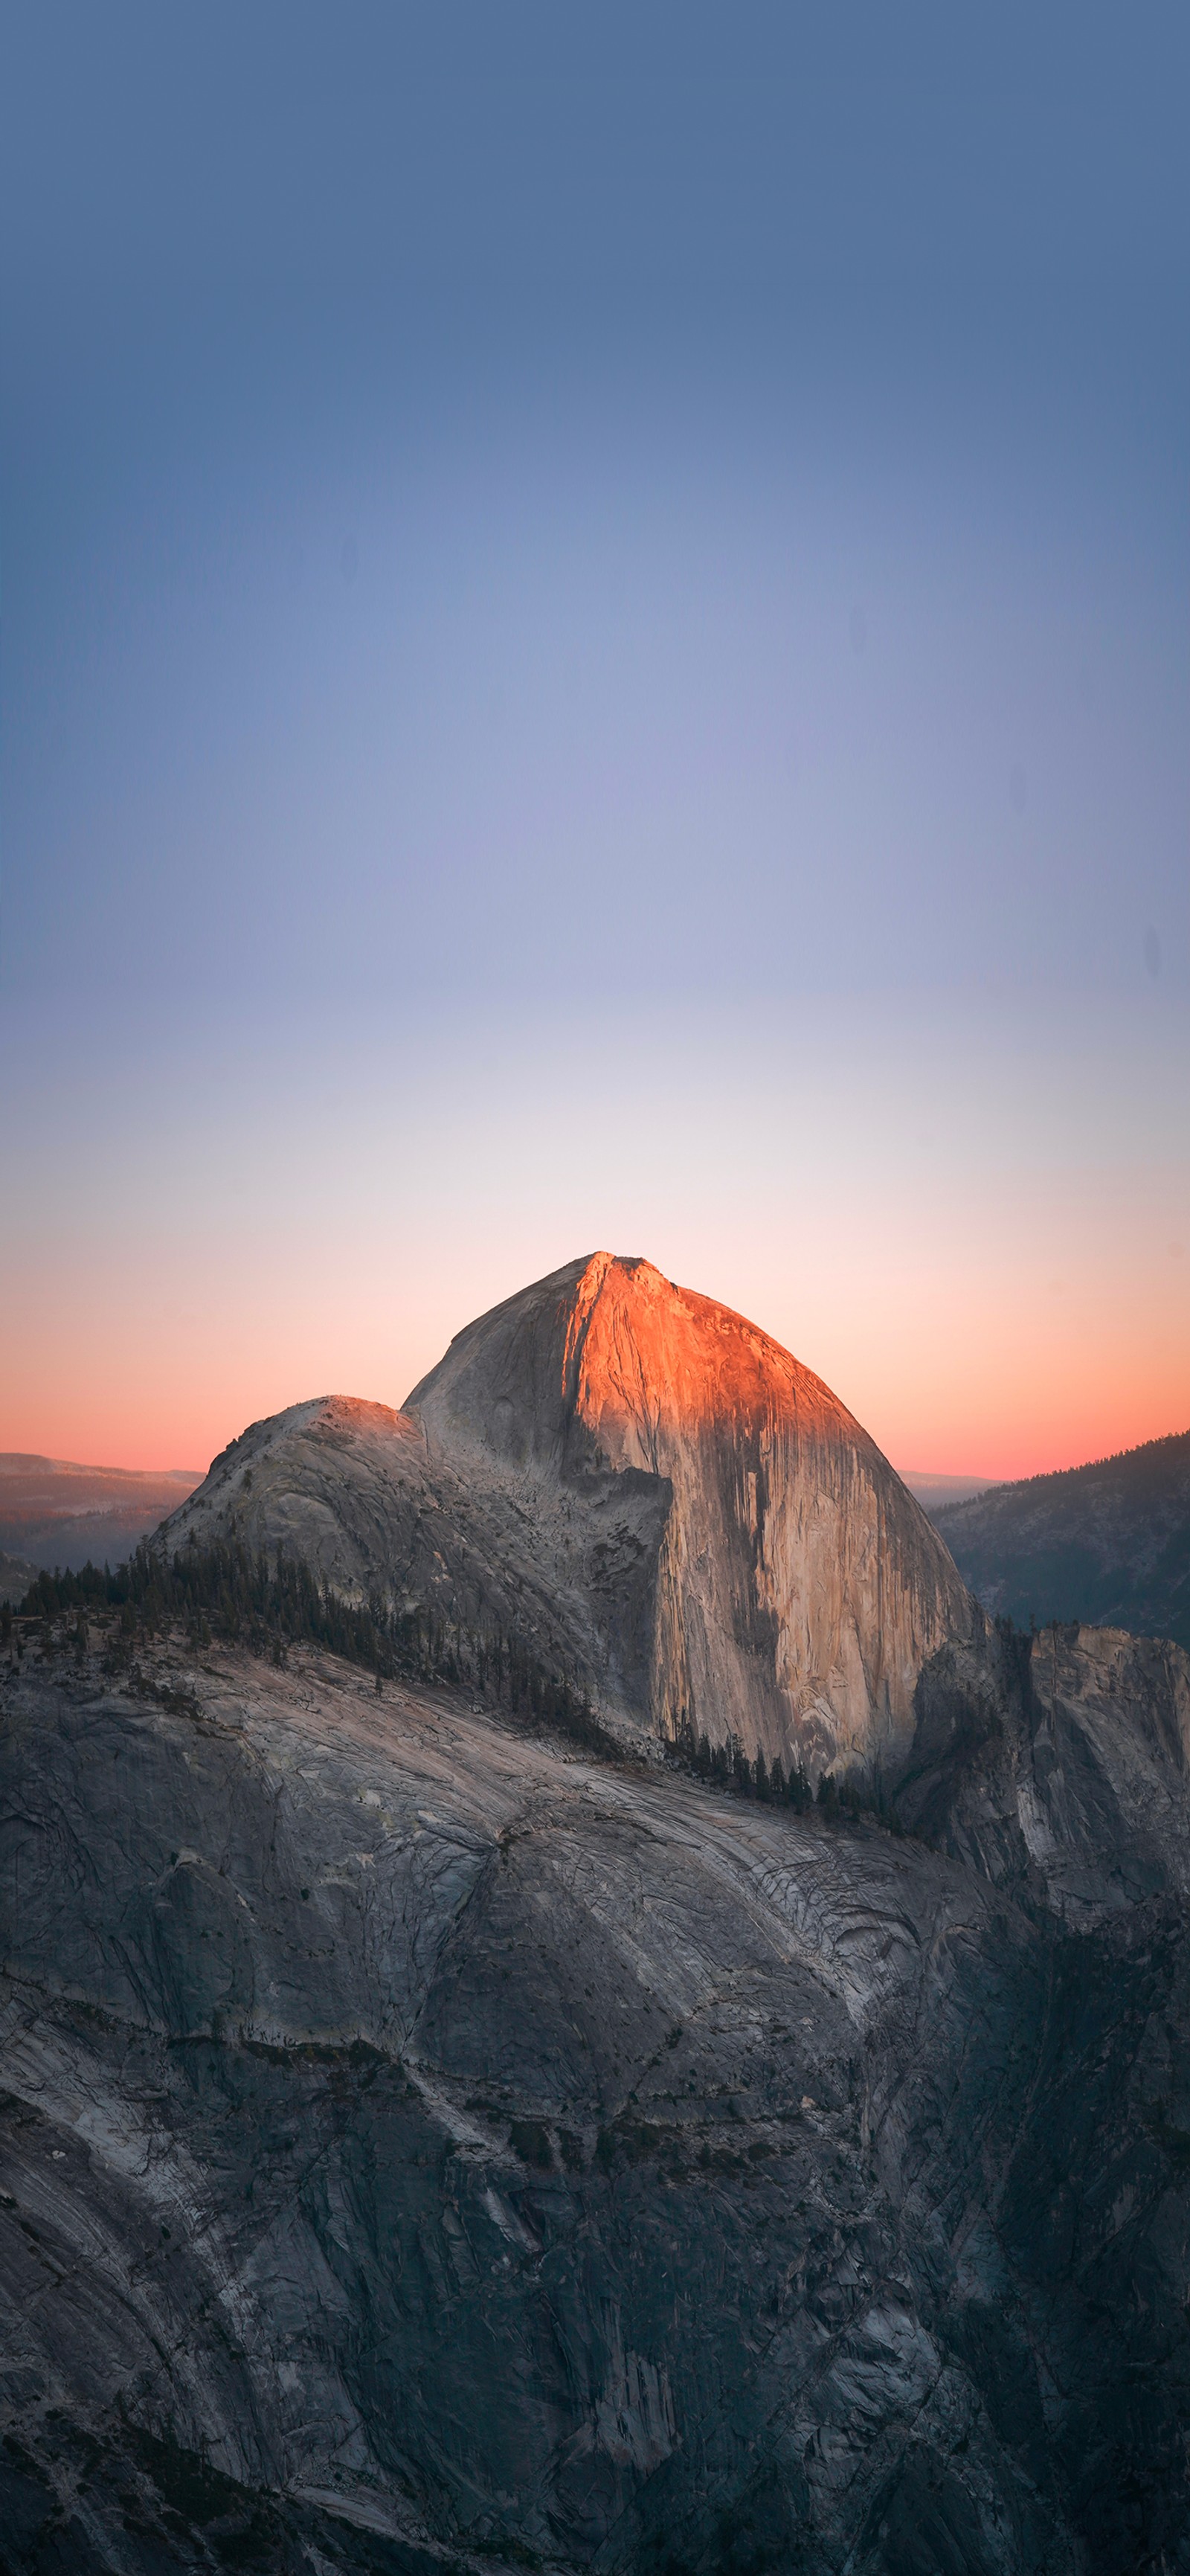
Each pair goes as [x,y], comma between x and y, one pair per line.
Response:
[650,1494]
[795,1589]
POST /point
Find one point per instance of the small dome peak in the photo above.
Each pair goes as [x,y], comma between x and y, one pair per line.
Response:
[634,1266]
[643,1271]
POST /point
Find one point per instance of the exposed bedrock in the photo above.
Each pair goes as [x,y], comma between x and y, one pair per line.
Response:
[649,1493]
[1057,1765]
[422,2148]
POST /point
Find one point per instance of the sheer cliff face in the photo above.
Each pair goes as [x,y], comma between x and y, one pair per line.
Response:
[424,2150]
[647,1493]
[795,1589]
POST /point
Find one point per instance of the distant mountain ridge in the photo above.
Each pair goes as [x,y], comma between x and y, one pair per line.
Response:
[1108,1543]
[938,1493]
[54,1511]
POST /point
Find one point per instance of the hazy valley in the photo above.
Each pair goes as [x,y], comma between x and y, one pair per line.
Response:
[55,1512]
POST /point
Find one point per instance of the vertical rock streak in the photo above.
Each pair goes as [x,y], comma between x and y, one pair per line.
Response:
[798,1589]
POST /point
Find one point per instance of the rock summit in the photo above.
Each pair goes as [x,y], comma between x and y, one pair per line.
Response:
[645,1490]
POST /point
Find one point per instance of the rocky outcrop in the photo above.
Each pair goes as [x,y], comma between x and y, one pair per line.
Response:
[647,1491]
[797,1588]
[424,2149]
[1057,1765]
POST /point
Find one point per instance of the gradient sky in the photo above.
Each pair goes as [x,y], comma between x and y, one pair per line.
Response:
[595,652]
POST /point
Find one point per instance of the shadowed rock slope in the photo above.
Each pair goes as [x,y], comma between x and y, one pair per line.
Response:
[424,2150]
[646,1492]
[16,1575]
[1108,1542]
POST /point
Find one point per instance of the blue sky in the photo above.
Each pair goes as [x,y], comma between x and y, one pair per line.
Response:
[627,568]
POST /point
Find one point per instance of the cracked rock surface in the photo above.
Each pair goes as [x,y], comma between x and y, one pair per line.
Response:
[424,2149]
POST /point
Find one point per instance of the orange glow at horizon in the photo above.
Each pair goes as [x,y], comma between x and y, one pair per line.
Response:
[995,1311]
[957,1392]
